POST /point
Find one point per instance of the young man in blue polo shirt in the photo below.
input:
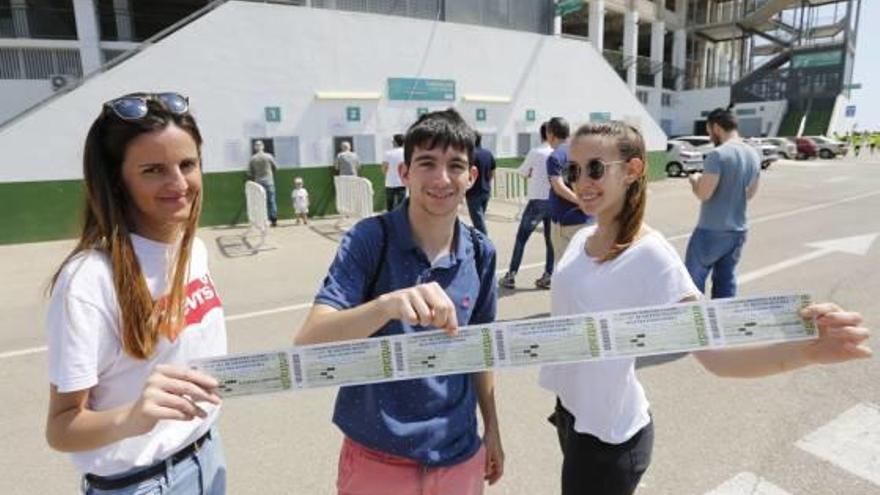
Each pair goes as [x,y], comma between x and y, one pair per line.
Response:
[414,269]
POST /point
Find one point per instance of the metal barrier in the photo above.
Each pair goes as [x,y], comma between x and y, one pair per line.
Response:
[258,216]
[354,197]
[510,187]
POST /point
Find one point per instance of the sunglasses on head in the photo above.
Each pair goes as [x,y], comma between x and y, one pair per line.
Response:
[135,107]
[594,169]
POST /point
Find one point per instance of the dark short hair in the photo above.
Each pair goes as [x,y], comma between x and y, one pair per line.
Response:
[543,131]
[559,127]
[398,139]
[442,128]
[478,139]
[723,117]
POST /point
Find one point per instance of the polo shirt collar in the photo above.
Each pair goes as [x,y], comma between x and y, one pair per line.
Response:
[401,232]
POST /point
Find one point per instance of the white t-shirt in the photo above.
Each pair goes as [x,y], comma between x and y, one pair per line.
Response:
[393,158]
[605,397]
[300,198]
[536,163]
[85,348]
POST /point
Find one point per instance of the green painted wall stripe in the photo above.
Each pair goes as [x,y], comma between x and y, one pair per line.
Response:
[50,210]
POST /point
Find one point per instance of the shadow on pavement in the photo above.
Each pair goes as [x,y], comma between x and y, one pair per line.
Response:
[645,362]
[502,292]
[331,232]
[239,246]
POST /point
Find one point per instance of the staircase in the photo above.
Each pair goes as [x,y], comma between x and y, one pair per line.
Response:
[818,119]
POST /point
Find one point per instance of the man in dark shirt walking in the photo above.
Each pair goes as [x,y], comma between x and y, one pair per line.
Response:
[478,195]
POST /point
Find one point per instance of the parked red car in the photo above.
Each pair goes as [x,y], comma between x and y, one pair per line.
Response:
[806,148]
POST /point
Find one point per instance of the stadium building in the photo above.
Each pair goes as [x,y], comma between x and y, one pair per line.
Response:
[305,75]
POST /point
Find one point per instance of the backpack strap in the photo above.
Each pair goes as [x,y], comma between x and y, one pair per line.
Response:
[370,292]
[478,250]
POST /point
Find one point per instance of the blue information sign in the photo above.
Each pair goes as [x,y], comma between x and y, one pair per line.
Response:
[273,114]
[481,115]
[353,114]
[850,110]
[407,89]
[530,115]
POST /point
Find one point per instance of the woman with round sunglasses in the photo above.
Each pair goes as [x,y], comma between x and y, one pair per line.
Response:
[131,305]
[602,415]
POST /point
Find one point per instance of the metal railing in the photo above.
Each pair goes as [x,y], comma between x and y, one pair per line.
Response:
[510,187]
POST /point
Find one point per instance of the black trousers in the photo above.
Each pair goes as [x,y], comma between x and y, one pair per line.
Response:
[591,466]
[394,196]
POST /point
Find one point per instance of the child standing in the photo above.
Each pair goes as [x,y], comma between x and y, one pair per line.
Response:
[300,198]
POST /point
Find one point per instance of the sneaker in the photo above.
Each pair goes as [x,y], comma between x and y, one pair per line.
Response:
[543,282]
[507,281]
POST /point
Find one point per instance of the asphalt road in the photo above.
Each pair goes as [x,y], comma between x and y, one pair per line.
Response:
[815,431]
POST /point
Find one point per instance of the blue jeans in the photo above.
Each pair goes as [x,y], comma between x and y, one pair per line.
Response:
[718,252]
[201,473]
[477,207]
[537,210]
[271,206]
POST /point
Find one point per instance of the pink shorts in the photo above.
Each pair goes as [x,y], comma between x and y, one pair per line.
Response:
[364,471]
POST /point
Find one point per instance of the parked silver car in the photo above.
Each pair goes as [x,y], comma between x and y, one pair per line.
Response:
[785,147]
[703,144]
[682,159]
[829,148]
[769,152]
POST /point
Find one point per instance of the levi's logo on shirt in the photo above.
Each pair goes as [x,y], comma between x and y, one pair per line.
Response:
[201,297]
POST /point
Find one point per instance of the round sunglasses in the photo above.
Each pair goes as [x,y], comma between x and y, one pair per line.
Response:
[594,169]
[135,107]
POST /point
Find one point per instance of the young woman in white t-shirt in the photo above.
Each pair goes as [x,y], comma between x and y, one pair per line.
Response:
[602,415]
[131,305]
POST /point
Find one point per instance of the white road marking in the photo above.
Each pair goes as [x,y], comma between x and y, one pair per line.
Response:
[22,352]
[838,179]
[790,213]
[282,309]
[747,484]
[851,442]
[859,245]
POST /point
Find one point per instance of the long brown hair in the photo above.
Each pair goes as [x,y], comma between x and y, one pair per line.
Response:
[630,144]
[108,225]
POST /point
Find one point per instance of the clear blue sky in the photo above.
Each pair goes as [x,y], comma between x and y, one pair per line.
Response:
[867,68]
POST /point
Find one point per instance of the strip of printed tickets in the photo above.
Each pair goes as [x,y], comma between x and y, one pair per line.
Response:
[639,332]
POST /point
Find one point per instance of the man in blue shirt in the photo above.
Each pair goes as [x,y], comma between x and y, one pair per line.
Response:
[729,180]
[416,268]
[478,194]
[566,216]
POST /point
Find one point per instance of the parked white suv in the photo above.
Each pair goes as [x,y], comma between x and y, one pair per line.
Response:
[682,159]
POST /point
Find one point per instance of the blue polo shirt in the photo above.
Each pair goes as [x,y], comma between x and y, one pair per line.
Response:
[429,420]
[562,211]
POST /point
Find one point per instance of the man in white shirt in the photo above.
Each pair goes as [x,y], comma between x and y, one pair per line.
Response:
[395,191]
[537,210]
